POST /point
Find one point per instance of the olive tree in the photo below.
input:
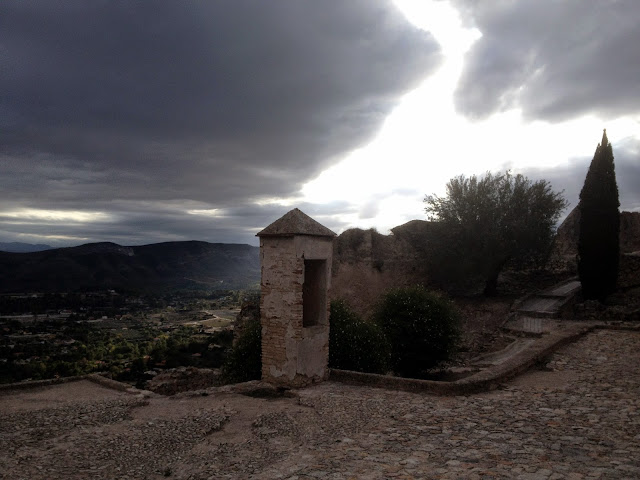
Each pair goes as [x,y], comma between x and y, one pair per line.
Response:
[485,223]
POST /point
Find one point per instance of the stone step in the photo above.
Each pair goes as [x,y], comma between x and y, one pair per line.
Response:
[548,303]
[541,305]
[563,290]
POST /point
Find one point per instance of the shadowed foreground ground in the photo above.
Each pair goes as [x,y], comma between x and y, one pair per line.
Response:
[578,418]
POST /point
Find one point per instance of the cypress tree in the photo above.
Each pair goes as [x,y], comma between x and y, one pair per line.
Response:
[598,244]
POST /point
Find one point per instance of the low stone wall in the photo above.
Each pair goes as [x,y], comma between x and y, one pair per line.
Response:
[184,379]
[39,383]
[92,377]
[485,380]
[109,383]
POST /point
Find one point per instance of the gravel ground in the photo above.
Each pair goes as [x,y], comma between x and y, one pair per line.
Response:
[577,418]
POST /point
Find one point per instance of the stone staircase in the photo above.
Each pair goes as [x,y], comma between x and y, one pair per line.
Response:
[536,313]
[549,302]
[537,317]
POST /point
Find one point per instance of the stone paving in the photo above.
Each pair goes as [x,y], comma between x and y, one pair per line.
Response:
[579,417]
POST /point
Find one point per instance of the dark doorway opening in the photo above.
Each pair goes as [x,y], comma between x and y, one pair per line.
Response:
[314,293]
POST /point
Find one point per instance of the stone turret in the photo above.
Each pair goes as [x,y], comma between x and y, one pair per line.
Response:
[296,254]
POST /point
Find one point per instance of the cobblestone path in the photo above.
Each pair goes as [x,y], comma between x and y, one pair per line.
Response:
[579,417]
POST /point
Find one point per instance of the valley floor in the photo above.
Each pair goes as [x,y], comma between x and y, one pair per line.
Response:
[577,418]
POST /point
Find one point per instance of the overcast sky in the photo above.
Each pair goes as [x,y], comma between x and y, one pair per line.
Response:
[143,122]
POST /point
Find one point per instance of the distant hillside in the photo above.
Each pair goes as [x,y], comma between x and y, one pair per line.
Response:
[19,247]
[160,266]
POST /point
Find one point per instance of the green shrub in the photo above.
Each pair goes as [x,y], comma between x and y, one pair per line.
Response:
[244,362]
[355,344]
[421,327]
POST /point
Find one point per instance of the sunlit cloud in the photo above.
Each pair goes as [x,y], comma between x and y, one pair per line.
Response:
[425,142]
[443,21]
[283,202]
[211,212]
[32,214]
[59,238]
[43,238]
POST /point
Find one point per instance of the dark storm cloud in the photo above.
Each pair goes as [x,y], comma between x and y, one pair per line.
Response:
[211,102]
[140,223]
[553,59]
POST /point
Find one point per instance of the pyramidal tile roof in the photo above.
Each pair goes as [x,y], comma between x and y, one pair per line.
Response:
[293,223]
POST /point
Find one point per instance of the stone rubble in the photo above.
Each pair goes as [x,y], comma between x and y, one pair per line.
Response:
[577,418]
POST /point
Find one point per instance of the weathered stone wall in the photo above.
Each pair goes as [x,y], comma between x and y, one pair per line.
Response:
[366,264]
[566,243]
[629,232]
[291,354]
[249,311]
[629,272]
[565,249]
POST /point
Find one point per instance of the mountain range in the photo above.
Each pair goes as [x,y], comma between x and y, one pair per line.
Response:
[156,267]
[20,247]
